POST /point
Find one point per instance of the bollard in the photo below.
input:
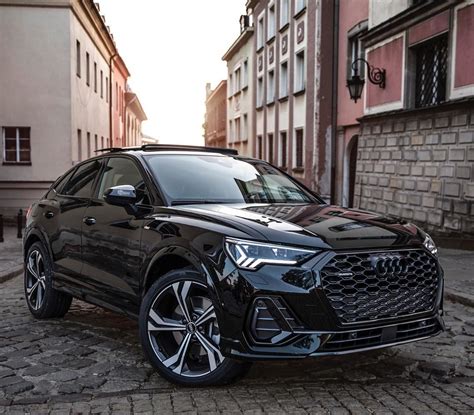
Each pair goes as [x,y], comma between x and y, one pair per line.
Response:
[1,228]
[19,223]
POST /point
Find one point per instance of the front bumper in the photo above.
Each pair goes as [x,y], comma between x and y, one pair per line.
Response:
[293,301]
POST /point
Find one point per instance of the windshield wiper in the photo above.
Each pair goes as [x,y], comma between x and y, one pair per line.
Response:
[196,202]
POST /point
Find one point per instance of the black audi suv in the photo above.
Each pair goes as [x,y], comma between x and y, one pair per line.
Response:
[224,260]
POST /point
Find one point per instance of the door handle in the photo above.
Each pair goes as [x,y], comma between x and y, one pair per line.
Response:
[49,214]
[89,221]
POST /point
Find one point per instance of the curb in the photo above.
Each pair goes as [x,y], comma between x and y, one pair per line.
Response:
[459,297]
[13,272]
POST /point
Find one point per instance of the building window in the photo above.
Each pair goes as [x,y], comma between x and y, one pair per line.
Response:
[300,72]
[283,149]
[299,5]
[271,87]
[431,72]
[96,142]
[88,145]
[88,69]
[237,80]
[283,93]
[259,147]
[101,84]
[238,132]
[271,23]
[231,131]
[260,33]
[95,77]
[102,142]
[107,89]
[79,145]
[116,96]
[78,58]
[355,49]
[284,12]
[245,74]
[270,148]
[245,126]
[299,143]
[230,86]
[260,92]
[16,145]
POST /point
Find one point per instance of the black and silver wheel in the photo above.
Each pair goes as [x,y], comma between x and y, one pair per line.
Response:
[180,333]
[42,299]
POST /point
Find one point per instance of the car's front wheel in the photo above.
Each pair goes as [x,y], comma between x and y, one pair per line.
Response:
[180,333]
[42,299]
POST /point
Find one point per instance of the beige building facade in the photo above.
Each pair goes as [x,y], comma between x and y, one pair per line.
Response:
[55,93]
[240,89]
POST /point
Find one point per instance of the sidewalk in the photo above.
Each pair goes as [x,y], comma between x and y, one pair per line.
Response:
[458,266]
[11,262]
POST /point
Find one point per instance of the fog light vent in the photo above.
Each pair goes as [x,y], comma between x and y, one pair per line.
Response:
[271,321]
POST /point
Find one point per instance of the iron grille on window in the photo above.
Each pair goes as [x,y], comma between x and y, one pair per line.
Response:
[431,72]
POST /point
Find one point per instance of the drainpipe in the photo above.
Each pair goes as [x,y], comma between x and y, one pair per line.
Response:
[335,60]
[111,106]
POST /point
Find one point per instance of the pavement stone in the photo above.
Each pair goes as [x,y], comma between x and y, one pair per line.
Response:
[432,376]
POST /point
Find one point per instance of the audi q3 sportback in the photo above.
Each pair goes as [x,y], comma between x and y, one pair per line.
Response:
[224,260]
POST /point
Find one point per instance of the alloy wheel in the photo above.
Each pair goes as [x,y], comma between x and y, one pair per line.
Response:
[35,279]
[183,330]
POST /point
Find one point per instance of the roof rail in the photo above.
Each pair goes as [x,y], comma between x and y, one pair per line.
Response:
[180,147]
[170,147]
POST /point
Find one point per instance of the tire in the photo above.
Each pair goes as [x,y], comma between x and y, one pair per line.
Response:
[42,299]
[180,334]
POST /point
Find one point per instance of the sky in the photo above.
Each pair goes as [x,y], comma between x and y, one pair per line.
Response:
[172,48]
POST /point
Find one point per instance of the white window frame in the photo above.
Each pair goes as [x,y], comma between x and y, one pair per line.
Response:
[17,144]
[260,92]
[300,74]
[271,86]
[237,79]
[271,23]
[295,166]
[284,16]
[283,81]
[299,5]
[260,31]
[245,74]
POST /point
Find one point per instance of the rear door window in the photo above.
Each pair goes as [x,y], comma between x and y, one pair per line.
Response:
[82,181]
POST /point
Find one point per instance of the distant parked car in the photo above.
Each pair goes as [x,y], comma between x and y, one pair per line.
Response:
[225,260]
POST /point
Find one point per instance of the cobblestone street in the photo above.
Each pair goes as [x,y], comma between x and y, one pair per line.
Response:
[92,362]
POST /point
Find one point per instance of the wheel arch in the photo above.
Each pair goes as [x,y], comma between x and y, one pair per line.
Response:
[34,235]
[171,258]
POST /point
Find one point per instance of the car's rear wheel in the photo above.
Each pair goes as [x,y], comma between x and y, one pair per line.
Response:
[180,333]
[42,299]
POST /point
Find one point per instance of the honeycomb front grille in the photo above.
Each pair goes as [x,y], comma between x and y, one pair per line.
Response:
[358,293]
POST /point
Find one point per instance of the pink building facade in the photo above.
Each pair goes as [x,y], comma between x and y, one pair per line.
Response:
[414,154]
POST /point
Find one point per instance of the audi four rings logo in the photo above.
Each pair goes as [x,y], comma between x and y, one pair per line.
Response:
[390,265]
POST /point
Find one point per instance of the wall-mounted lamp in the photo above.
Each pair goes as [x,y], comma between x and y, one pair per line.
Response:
[356,83]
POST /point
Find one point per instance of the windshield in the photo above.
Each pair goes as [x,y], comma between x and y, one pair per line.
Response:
[193,179]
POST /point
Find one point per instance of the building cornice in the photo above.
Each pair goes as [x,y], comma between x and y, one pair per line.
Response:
[222,84]
[135,105]
[239,42]
[405,19]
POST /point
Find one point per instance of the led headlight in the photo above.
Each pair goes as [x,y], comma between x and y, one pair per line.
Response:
[430,245]
[251,255]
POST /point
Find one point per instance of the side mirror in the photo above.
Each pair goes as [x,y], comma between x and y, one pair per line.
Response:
[124,195]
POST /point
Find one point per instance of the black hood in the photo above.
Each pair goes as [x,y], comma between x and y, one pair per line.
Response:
[314,225]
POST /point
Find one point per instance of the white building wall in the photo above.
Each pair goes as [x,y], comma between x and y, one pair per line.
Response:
[90,112]
[35,93]
[241,103]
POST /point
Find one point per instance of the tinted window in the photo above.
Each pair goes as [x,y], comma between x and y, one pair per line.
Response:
[219,179]
[120,171]
[81,182]
[59,186]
